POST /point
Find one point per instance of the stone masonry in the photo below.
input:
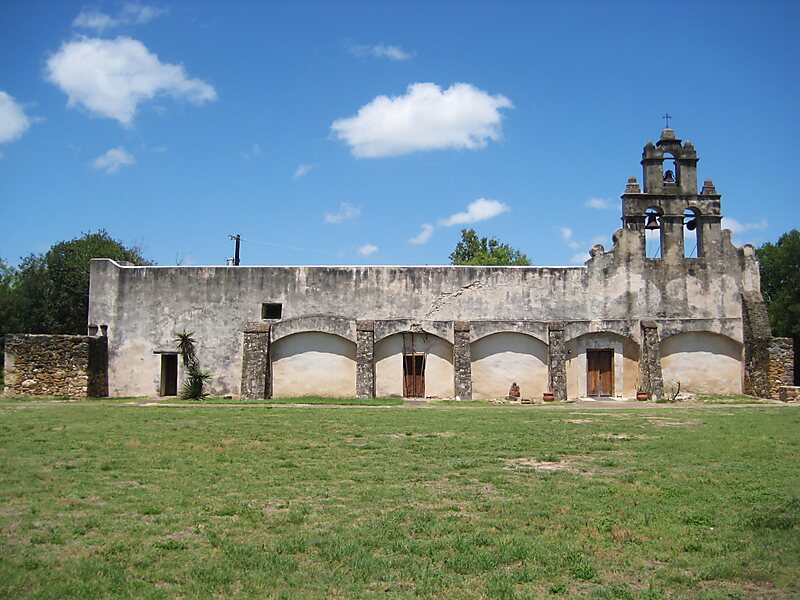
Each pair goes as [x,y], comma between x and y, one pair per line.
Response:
[74,366]
[651,379]
[780,372]
[255,362]
[462,360]
[557,369]
[365,364]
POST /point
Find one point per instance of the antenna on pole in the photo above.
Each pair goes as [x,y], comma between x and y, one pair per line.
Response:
[237,238]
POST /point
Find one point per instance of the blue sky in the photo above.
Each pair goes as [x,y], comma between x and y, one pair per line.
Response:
[372,132]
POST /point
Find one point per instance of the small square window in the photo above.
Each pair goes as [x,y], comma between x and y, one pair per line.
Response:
[271,310]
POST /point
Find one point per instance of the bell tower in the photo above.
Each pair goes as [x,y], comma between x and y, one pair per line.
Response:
[672,221]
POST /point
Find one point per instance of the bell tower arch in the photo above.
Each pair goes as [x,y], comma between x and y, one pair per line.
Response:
[669,188]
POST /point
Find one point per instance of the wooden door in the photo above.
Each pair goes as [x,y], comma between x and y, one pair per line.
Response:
[414,375]
[599,373]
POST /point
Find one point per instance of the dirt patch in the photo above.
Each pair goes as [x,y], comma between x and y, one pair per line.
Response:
[578,421]
[406,436]
[622,437]
[541,465]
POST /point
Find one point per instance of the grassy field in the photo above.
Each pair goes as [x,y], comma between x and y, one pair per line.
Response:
[536,502]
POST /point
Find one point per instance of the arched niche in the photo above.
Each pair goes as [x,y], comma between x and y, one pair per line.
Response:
[703,362]
[670,169]
[313,363]
[624,363]
[389,363]
[692,233]
[653,233]
[502,358]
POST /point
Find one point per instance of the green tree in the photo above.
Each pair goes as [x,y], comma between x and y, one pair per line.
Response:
[780,283]
[474,250]
[51,290]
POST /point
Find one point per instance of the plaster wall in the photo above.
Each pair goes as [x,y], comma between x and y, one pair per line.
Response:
[500,359]
[438,367]
[702,362]
[312,363]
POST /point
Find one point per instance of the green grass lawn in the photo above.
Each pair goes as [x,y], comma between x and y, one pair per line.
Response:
[152,502]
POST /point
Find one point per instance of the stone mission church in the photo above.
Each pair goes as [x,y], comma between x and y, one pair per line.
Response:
[673,300]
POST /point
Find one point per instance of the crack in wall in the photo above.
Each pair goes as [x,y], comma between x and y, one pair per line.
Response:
[445,297]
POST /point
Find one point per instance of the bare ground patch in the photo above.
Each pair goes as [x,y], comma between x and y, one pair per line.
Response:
[534,464]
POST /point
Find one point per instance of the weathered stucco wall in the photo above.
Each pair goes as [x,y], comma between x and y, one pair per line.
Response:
[56,365]
[313,364]
[143,307]
[703,363]
[500,359]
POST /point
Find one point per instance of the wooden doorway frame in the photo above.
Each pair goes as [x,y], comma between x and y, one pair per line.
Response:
[600,357]
[414,374]
[168,384]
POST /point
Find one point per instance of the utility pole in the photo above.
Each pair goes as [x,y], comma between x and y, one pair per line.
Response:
[237,238]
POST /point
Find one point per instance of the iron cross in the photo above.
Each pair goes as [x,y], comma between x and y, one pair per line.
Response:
[666,118]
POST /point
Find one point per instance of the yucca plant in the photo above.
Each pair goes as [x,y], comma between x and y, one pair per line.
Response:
[196,379]
[185,343]
[194,386]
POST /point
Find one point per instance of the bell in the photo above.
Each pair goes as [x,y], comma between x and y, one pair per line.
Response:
[652,222]
[691,225]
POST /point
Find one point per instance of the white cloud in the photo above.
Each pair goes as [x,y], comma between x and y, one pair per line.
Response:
[13,120]
[367,249]
[479,210]
[600,204]
[132,13]
[379,51]
[567,237]
[302,171]
[346,212]
[423,236]
[737,227]
[425,118]
[111,77]
[113,160]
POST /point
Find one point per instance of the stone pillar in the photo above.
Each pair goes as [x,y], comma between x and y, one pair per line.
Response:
[365,359]
[781,366]
[651,378]
[462,360]
[557,362]
[672,237]
[757,338]
[256,367]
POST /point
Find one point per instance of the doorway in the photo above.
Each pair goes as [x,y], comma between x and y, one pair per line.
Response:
[169,375]
[599,372]
[414,375]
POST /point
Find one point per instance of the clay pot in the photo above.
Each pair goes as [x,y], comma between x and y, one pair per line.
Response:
[548,396]
[643,396]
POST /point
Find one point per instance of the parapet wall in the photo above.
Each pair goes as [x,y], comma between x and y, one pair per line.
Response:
[74,366]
